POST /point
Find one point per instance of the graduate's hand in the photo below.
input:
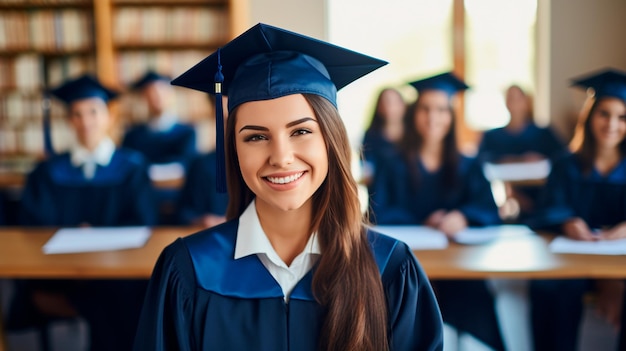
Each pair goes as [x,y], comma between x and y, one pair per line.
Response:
[434,220]
[577,229]
[210,220]
[617,232]
[452,223]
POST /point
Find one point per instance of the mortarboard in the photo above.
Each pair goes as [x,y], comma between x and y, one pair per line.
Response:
[267,62]
[605,83]
[149,77]
[83,87]
[447,82]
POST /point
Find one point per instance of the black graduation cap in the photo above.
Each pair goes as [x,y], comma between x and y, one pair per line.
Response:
[149,77]
[83,87]
[447,82]
[267,62]
[606,83]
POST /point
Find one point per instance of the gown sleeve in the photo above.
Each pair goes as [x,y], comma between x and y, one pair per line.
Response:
[478,206]
[414,317]
[143,210]
[37,205]
[554,203]
[165,322]
[388,193]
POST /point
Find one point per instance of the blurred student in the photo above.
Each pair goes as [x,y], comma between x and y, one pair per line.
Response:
[584,199]
[199,202]
[168,145]
[385,130]
[521,140]
[162,139]
[430,183]
[93,184]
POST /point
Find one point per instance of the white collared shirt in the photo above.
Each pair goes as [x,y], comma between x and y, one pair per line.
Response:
[251,239]
[101,155]
[162,123]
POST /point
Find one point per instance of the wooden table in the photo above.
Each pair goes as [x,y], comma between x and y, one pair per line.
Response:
[518,256]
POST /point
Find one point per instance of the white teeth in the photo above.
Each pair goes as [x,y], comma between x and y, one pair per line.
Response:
[285,180]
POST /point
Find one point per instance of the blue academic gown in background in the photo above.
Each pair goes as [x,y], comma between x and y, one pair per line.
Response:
[199,195]
[201,298]
[176,144]
[467,305]
[600,200]
[394,199]
[57,194]
[500,142]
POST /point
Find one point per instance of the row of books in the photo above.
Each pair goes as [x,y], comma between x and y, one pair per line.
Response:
[28,138]
[45,2]
[46,30]
[158,25]
[26,72]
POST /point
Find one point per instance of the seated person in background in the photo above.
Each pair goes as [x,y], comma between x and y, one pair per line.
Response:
[200,203]
[521,140]
[94,184]
[384,132]
[584,199]
[163,140]
[430,183]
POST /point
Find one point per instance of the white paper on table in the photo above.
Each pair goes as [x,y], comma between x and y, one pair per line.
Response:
[417,237]
[166,171]
[602,247]
[74,240]
[481,235]
[517,171]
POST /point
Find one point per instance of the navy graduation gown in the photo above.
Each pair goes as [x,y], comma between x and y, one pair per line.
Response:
[394,200]
[201,298]
[376,148]
[57,193]
[499,142]
[598,199]
[199,195]
[177,144]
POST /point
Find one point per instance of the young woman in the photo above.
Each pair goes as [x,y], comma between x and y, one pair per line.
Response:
[430,183]
[584,199]
[93,184]
[294,268]
[385,130]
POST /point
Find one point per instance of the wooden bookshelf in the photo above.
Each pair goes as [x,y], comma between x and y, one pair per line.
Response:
[44,42]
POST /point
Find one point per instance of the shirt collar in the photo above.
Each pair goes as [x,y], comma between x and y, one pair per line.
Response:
[251,239]
[101,155]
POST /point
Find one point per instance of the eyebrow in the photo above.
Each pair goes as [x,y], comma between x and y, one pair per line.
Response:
[288,125]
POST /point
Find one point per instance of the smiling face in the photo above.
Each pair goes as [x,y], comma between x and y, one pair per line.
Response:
[281,151]
[433,117]
[608,122]
[90,120]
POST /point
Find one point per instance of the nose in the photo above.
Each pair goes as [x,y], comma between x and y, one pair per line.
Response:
[281,152]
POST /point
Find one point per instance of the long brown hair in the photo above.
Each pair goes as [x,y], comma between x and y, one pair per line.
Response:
[347,281]
[584,143]
[412,142]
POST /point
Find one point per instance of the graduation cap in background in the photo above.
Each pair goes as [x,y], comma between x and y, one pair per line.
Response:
[606,83]
[83,87]
[149,77]
[446,82]
[267,62]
